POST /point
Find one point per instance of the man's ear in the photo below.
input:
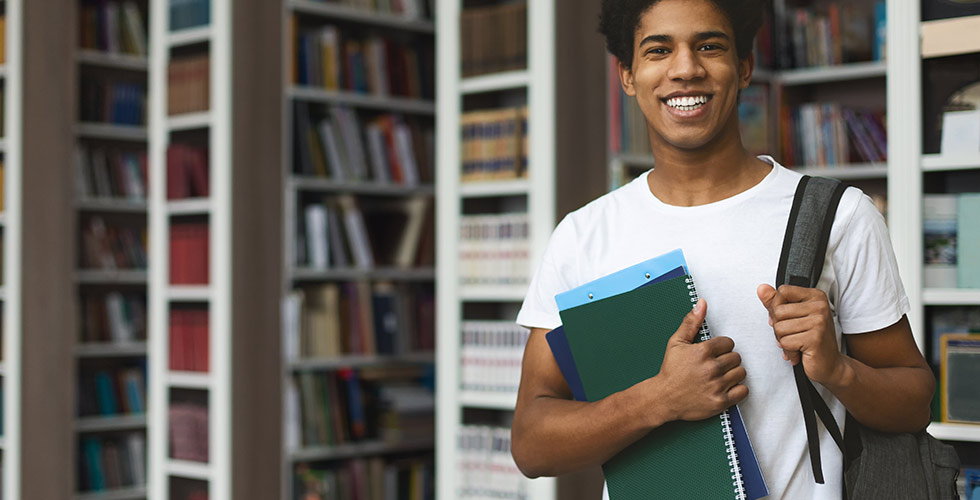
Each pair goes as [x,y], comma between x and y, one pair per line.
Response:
[745,68]
[626,78]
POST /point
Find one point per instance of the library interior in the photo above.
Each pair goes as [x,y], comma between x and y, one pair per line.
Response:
[275,249]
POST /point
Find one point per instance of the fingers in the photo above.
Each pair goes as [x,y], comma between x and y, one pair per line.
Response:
[718,346]
[688,331]
[767,295]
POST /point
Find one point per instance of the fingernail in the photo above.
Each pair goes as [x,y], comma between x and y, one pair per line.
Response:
[697,306]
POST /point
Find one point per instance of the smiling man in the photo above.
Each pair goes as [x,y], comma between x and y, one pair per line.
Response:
[685,62]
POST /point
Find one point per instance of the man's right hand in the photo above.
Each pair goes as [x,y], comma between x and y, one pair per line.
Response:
[701,379]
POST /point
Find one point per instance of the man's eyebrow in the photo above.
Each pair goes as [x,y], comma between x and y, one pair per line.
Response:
[699,37]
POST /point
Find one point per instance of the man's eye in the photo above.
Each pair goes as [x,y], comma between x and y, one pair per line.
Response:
[657,50]
[710,46]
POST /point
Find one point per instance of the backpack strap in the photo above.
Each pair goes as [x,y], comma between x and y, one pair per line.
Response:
[800,264]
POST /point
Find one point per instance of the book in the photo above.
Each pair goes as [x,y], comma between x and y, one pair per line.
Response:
[939,221]
[968,241]
[959,373]
[685,459]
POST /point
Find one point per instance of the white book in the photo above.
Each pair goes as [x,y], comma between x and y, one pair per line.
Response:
[939,227]
[406,153]
[316,235]
[376,153]
[356,232]
[119,328]
[83,188]
[134,177]
[136,447]
[112,27]
[100,174]
[350,132]
[336,158]
[293,431]
[292,308]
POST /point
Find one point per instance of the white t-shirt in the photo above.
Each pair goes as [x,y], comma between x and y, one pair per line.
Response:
[731,247]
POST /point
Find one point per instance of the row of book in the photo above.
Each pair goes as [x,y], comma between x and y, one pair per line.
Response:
[117,391]
[187,171]
[112,462]
[189,339]
[116,27]
[361,318]
[400,478]
[493,38]
[110,172]
[494,249]
[836,33]
[336,59]
[387,149]
[490,356]
[189,13]
[951,236]
[189,253]
[390,403]
[188,431]
[494,144]
[189,84]
[112,101]
[628,132]
[949,319]
[341,232]
[830,134]
[109,245]
[113,317]
[3,38]
[486,468]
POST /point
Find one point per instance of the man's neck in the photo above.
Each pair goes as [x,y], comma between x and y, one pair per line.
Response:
[697,177]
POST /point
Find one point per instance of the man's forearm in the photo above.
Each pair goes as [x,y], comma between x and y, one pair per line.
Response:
[553,436]
[887,399]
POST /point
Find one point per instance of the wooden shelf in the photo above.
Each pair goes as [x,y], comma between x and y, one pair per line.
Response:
[949,37]
[349,274]
[127,493]
[111,423]
[361,16]
[113,61]
[353,360]
[110,349]
[188,469]
[189,293]
[189,121]
[189,380]
[359,100]
[324,185]
[108,131]
[112,205]
[189,206]
[110,277]
[358,450]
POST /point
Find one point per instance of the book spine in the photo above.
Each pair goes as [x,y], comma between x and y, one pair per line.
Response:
[738,485]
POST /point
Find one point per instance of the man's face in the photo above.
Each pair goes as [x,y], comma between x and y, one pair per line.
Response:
[685,72]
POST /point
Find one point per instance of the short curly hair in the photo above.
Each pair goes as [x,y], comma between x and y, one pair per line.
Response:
[620,19]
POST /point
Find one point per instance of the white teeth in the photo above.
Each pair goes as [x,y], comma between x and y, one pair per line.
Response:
[687,103]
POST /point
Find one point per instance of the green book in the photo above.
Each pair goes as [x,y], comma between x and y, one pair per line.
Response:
[619,341]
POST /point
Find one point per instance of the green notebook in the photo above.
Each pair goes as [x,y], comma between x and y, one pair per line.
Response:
[619,341]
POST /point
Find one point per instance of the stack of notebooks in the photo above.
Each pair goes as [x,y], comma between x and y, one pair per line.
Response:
[614,333]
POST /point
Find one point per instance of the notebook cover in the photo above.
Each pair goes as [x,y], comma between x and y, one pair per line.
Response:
[679,460]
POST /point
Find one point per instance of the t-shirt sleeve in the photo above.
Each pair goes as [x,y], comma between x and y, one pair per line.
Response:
[871,294]
[539,309]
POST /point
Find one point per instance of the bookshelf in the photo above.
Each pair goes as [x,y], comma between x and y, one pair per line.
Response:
[111,201]
[359,180]
[212,297]
[555,81]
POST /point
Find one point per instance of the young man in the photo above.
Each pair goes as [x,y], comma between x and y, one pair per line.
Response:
[685,61]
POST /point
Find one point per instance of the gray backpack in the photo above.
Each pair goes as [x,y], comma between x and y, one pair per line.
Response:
[877,465]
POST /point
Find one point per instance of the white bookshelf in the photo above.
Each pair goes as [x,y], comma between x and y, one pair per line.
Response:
[547,192]
[13,186]
[297,188]
[216,384]
[827,74]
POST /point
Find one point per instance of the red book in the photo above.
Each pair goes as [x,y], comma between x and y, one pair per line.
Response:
[176,176]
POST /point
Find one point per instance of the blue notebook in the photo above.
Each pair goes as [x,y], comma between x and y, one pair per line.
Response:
[667,266]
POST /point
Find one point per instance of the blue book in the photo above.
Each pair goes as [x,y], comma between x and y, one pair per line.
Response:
[658,269]
[105,394]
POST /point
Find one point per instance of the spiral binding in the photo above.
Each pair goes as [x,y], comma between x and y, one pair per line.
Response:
[726,422]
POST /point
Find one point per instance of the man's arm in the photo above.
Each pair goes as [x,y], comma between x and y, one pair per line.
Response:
[885,382]
[553,435]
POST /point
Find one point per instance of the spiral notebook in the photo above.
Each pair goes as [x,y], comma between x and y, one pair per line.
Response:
[708,459]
